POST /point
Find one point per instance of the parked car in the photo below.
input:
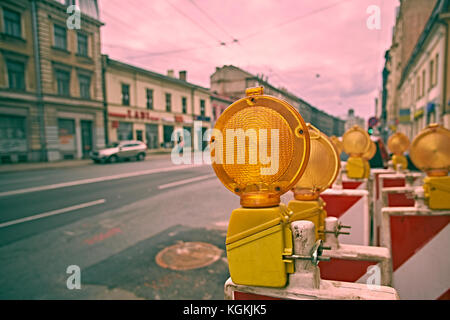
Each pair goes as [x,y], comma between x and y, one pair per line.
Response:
[123,150]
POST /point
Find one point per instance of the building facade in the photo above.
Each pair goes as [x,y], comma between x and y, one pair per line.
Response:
[352,120]
[218,104]
[51,101]
[232,81]
[412,15]
[422,92]
[148,106]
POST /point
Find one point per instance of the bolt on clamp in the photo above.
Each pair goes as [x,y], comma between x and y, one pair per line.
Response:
[315,256]
[337,231]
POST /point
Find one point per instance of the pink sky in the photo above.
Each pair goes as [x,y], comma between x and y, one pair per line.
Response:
[291,42]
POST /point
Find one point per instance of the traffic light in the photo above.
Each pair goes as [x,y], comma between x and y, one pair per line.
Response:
[370,131]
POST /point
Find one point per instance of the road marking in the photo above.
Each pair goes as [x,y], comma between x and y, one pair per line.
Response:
[94,180]
[52,213]
[103,236]
[185,181]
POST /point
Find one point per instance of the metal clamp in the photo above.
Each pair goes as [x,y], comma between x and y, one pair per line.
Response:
[337,231]
[315,256]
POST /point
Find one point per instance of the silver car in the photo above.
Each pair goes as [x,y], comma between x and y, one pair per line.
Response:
[122,150]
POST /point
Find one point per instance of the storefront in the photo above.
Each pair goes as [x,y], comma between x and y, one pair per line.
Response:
[13,138]
[124,131]
[75,135]
[151,136]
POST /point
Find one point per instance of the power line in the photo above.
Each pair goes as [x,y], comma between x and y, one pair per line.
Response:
[212,20]
[281,24]
[197,24]
[174,51]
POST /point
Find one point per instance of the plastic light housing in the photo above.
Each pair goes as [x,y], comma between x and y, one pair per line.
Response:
[322,169]
[398,143]
[262,122]
[371,152]
[356,141]
[430,150]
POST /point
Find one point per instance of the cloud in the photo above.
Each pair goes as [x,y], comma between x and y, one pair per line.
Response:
[289,41]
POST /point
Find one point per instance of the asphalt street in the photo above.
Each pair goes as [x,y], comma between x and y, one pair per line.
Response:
[111,220]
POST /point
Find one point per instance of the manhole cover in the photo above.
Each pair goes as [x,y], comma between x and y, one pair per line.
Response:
[188,255]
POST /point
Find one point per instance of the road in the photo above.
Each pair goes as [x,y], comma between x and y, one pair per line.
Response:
[111,220]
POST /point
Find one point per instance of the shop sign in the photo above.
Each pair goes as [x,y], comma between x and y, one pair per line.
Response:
[203,118]
[141,115]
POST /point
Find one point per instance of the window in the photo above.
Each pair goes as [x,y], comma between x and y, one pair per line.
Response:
[63,82]
[423,83]
[16,75]
[436,70]
[202,108]
[411,96]
[60,35]
[168,102]
[82,44]
[432,74]
[11,22]
[125,94]
[13,133]
[418,88]
[125,131]
[85,86]
[67,135]
[150,99]
[184,104]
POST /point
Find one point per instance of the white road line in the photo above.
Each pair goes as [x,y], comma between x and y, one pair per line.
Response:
[93,180]
[52,213]
[185,181]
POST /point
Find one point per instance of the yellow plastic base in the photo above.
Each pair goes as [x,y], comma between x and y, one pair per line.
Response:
[312,210]
[257,239]
[356,168]
[399,160]
[437,192]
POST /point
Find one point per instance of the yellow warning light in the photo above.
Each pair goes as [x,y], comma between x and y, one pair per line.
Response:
[322,169]
[356,141]
[259,148]
[371,152]
[430,150]
[338,144]
[398,143]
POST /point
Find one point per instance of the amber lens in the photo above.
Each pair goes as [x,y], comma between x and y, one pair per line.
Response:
[338,144]
[398,143]
[430,149]
[323,165]
[356,141]
[371,152]
[257,140]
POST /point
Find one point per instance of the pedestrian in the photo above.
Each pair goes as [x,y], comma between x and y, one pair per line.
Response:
[180,145]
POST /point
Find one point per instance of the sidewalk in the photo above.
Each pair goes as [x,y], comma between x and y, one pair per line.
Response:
[16,167]
[27,166]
